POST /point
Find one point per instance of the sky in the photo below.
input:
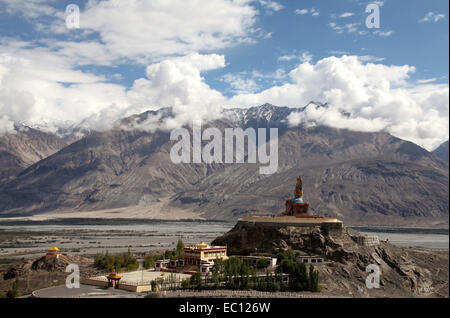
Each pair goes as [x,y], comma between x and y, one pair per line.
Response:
[198,56]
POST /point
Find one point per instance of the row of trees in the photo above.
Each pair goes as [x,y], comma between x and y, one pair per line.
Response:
[300,278]
[116,263]
[178,252]
[240,275]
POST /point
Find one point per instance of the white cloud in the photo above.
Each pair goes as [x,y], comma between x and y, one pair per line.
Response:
[6,125]
[30,9]
[428,80]
[146,31]
[432,17]
[378,97]
[38,87]
[312,11]
[346,15]
[337,52]
[287,58]
[383,33]
[349,27]
[279,74]
[239,84]
[149,30]
[354,28]
[370,58]
[178,83]
[304,57]
[271,5]
[302,11]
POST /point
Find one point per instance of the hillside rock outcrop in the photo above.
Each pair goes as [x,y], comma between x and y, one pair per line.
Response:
[405,272]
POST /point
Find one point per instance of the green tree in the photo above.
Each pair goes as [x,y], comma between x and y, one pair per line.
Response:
[179,252]
[313,279]
[196,281]
[186,284]
[262,263]
[244,276]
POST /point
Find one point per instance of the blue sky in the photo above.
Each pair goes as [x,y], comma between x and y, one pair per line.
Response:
[422,44]
[133,55]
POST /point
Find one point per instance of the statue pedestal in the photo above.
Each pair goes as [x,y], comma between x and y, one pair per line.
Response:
[296,209]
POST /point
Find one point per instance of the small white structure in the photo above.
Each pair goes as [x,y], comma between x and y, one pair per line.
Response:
[206,267]
[367,240]
[161,264]
[174,263]
[253,260]
[313,260]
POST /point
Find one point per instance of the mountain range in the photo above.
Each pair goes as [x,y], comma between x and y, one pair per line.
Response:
[362,178]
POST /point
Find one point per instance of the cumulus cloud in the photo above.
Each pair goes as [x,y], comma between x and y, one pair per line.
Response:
[144,31]
[37,86]
[6,125]
[151,30]
[362,96]
[178,83]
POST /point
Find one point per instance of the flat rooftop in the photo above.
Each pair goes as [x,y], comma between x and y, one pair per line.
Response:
[288,219]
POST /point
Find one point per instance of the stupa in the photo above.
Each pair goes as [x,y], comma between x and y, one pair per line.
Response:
[296,207]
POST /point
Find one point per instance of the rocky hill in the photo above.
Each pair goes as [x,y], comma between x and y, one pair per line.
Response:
[40,273]
[405,272]
[364,178]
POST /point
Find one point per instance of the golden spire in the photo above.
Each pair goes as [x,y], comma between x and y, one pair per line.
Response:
[298,193]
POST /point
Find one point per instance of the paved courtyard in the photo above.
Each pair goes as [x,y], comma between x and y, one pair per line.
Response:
[146,276]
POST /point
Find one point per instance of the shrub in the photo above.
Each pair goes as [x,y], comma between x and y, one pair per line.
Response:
[14,291]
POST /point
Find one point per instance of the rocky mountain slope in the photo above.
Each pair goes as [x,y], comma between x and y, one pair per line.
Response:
[364,178]
[442,151]
[26,146]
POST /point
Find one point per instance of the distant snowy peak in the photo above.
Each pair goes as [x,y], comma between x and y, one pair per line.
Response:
[68,131]
[265,115]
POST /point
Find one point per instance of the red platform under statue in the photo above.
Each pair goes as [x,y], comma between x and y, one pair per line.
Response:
[296,207]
